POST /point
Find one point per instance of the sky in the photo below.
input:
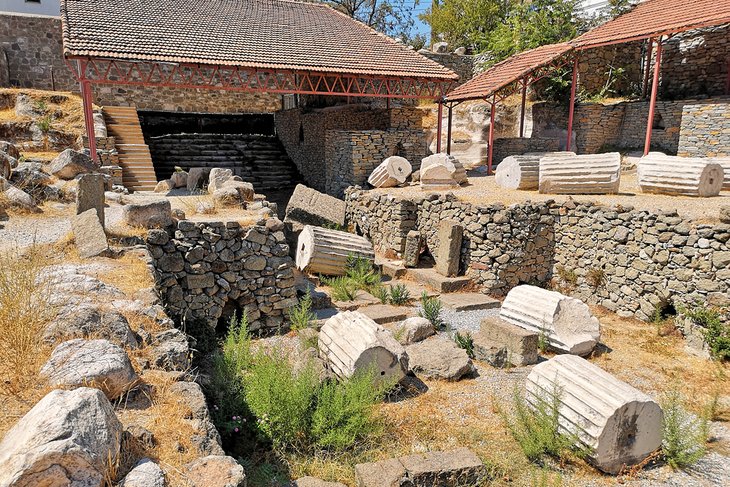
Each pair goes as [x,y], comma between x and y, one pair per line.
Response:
[419,26]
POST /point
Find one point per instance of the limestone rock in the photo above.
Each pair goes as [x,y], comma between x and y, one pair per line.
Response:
[566,322]
[170,350]
[164,186]
[448,256]
[145,473]
[324,251]
[620,425]
[391,172]
[16,197]
[6,165]
[315,482]
[70,164]
[233,192]
[412,251]
[350,342]
[218,176]
[501,343]
[99,363]
[9,149]
[440,47]
[86,321]
[725,214]
[157,214]
[689,176]
[310,207]
[415,329]
[90,195]
[179,179]
[437,177]
[68,438]
[197,177]
[451,163]
[518,172]
[585,174]
[439,358]
[215,471]
[89,235]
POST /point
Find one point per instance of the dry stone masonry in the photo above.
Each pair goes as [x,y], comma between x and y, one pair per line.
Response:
[619,424]
[206,271]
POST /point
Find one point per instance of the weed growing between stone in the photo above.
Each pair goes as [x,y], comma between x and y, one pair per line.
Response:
[535,425]
[685,435]
[431,310]
[716,333]
[465,341]
[359,274]
[301,315]
[399,295]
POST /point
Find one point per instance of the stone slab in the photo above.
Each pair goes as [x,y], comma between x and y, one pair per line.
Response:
[386,313]
[310,207]
[89,235]
[501,343]
[362,298]
[412,251]
[434,280]
[385,473]
[469,301]
[448,256]
[391,268]
[414,289]
[90,194]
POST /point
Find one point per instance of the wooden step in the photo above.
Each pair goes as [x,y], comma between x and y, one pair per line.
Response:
[138,172]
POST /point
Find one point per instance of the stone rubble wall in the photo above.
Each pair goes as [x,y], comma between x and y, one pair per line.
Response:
[705,130]
[510,146]
[465,65]
[594,66]
[205,270]
[647,259]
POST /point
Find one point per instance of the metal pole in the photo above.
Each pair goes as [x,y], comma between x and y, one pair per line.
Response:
[571,110]
[439,117]
[727,81]
[88,111]
[652,102]
[647,68]
[522,113]
[448,132]
[491,134]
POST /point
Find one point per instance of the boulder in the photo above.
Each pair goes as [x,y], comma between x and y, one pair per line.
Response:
[170,350]
[440,47]
[157,214]
[68,438]
[9,149]
[145,473]
[232,193]
[451,163]
[98,363]
[725,214]
[439,358]
[90,321]
[197,177]
[70,164]
[89,235]
[16,197]
[6,165]
[164,186]
[218,176]
[350,342]
[620,425]
[310,207]
[179,179]
[215,471]
[415,329]
[30,175]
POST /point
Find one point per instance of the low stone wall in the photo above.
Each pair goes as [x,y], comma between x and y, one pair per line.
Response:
[207,271]
[705,130]
[515,146]
[352,155]
[626,260]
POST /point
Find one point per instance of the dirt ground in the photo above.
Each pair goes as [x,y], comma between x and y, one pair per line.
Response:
[483,190]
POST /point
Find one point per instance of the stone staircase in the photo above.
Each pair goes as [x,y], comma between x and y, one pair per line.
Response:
[138,173]
[258,159]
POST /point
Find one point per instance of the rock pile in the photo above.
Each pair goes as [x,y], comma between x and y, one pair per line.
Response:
[178,179]
[227,189]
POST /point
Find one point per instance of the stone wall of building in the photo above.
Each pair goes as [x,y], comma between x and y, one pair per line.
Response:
[463,65]
[705,130]
[207,271]
[352,155]
[627,260]
[615,69]
[695,63]
[33,47]
[509,146]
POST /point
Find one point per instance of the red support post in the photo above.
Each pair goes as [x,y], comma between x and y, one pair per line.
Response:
[727,80]
[522,112]
[654,88]
[448,132]
[647,68]
[439,118]
[86,98]
[491,134]
[571,110]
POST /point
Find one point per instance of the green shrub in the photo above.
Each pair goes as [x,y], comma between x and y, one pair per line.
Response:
[301,315]
[343,289]
[361,272]
[381,293]
[431,310]
[543,343]
[536,427]
[716,333]
[399,295]
[44,124]
[684,435]
[465,341]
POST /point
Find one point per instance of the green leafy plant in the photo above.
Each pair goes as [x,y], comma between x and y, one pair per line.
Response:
[431,310]
[715,332]
[44,124]
[40,106]
[343,289]
[301,315]
[465,341]
[361,272]
[381,293]
[334,226]
[543,343]
[399,295]
[596,277]
[535,425]
[684,435]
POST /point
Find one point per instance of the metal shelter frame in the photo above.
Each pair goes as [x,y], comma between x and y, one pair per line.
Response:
[89,71]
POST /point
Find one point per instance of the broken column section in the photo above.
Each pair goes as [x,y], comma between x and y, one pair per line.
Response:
[585,174]
[566,323]
[324,251]
[350,342]
[619,424]
[689,176]
[392,172]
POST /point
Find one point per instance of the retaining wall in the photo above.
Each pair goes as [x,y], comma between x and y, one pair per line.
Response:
[705,130]
[646,259]
[206,271]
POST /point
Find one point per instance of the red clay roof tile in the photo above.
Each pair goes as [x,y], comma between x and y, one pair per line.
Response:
[276,34]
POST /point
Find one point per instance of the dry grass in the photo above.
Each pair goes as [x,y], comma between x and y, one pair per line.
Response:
[24,314]
[127,273]
[72,119]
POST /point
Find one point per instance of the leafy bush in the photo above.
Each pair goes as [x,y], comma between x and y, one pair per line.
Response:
[465,341]
[301,315]
[684,435]
[381,293]
[716,333]
[343,289]
[359,274]
[536,427]
[44,124]
[399,295]
[431,310]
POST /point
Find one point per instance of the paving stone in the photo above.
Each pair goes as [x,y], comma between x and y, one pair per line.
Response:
[469,301]
[385,473]
[391,268]
[431,278]
[386,313]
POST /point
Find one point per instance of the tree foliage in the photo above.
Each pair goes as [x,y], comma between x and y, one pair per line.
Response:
[465,22]
[392,17]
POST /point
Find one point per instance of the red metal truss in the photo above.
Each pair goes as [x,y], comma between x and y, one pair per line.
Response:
[248,79]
